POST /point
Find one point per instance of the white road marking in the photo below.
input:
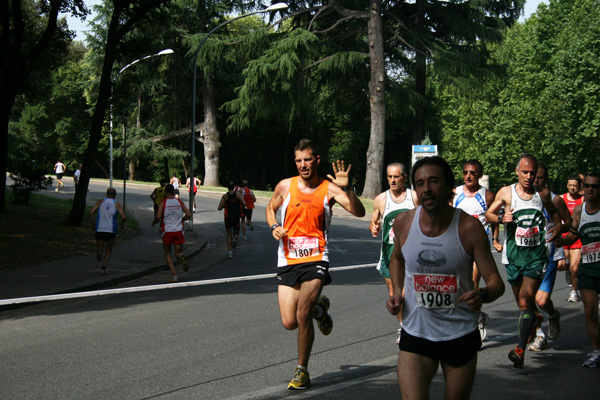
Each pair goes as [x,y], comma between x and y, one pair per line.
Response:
[64,296]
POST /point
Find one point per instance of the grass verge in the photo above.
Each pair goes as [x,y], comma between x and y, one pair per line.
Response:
[35,233]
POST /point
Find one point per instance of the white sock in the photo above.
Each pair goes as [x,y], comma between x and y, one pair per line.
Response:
[540,332]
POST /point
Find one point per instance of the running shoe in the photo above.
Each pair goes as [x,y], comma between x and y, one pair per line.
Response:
[62,184]
[244,238]
[103,271]
[301,380]
[538,344]
[325,323]
[184,263]
[554,326]
[173,278]
[517,356]
[482,322]
[593,361]
[56,190]
[229,254]
[574,297]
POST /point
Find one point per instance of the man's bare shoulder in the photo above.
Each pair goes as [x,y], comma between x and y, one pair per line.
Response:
[379,201]
[282,187]
[467,221]
[504,192]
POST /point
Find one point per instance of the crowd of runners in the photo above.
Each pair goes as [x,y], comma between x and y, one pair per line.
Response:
[433,257]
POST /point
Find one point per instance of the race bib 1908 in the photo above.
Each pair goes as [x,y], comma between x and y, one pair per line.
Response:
[436,290]
[590,253]
[300,247]
[528,237]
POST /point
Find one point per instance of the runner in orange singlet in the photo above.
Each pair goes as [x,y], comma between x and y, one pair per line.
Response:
[303,263]
[249,198]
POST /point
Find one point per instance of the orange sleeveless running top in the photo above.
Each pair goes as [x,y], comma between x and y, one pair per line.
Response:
[307,218]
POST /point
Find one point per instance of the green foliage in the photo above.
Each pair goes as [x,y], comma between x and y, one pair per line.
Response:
[29,177]
[546,104]
[54,124]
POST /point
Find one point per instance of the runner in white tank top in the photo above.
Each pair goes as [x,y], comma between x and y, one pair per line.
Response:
[434,251]
[386,207]
[171,213]
[475,199]
[105,225]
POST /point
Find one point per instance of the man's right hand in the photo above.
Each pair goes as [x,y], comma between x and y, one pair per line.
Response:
[279,233]
[375,228]
[393,304]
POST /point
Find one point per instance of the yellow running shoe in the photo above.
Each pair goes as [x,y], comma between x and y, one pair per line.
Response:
[301,380]
[325,323]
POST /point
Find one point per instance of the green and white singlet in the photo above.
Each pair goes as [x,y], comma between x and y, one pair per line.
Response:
[525,236]
[589,233]
[392,209]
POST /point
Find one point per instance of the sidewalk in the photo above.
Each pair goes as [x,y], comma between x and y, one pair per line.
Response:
[131,259]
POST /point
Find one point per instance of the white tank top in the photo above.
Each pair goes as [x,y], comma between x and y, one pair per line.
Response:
[175,183]
[172,216]
[106,220]
[438,272]
[475,206]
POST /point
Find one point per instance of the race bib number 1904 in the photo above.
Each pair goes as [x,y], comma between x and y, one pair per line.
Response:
[436,290]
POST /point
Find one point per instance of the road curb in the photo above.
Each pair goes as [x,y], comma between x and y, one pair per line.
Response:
[108,282]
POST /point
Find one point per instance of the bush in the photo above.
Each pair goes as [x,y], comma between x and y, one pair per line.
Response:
[31,179]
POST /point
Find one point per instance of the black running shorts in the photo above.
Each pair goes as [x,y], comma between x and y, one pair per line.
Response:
[105,236]
[232,222]
[455,352]
[247,212]
[293,274]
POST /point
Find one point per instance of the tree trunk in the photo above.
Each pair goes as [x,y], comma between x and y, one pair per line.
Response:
[8,100]
[104,91]
[211,140]
[418,128]
[131,167]
[377,99]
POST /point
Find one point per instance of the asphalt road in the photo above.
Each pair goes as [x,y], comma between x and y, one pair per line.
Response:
[222,339]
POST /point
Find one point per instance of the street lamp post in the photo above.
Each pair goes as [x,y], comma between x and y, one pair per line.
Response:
[112,86]
[274,7]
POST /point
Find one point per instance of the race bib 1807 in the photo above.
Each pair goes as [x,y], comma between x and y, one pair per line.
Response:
[590,253]
[300,247]
[528,237]
[436,290]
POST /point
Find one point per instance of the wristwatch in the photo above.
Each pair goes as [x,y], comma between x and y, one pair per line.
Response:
[273,227]
[484,295]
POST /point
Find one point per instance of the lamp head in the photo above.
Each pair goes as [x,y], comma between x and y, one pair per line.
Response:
[277,6]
